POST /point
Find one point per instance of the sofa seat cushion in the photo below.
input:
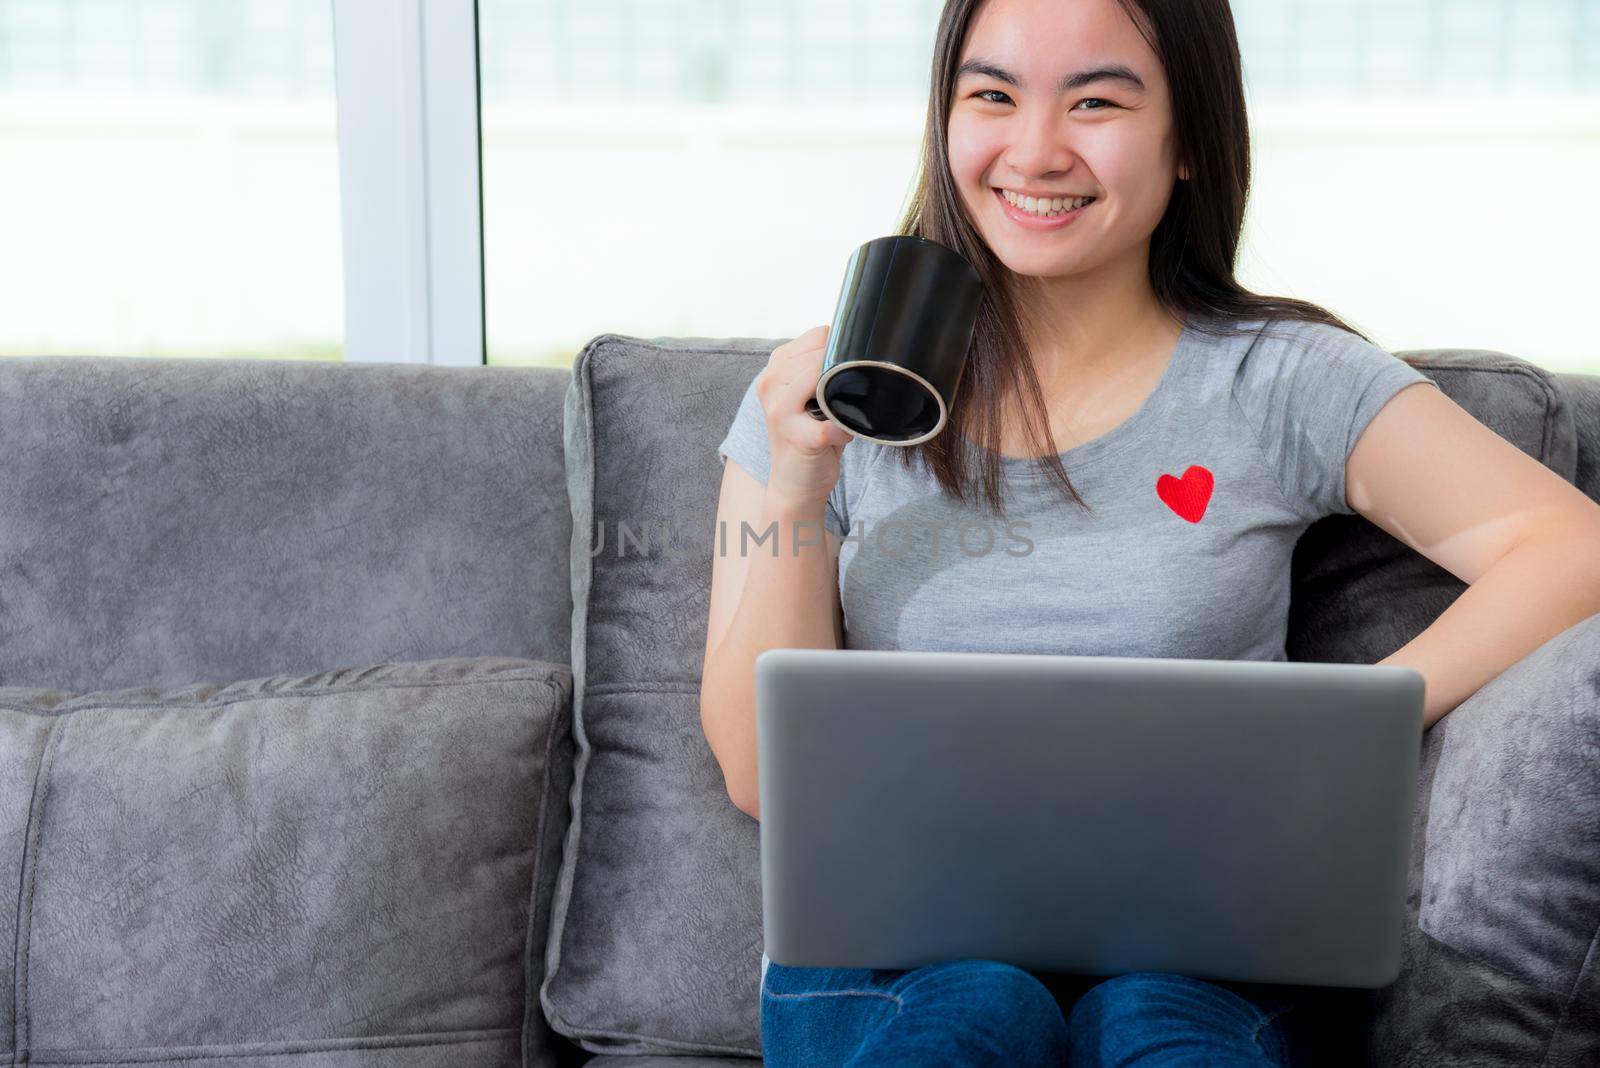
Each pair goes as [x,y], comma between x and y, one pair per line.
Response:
[335,869]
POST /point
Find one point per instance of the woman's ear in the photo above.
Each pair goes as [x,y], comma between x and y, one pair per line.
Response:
[1183,173]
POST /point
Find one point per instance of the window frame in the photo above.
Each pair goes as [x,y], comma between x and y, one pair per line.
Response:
[410,180]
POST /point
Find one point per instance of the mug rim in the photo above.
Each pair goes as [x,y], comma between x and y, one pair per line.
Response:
[822,402]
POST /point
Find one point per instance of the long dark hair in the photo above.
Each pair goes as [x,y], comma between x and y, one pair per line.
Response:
[1192,250]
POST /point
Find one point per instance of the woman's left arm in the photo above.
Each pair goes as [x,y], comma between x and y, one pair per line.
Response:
[1526,542]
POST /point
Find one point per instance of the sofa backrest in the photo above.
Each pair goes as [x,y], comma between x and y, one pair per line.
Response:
[1584,391]
[168,521]
[175,521]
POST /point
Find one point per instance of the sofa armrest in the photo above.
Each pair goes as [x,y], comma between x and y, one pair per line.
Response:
[1501,966]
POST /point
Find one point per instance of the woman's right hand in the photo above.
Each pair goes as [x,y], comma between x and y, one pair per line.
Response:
[805,451]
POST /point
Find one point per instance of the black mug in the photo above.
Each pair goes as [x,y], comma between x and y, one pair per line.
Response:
[899,340]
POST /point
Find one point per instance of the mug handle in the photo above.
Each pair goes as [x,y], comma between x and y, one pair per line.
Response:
[814,410]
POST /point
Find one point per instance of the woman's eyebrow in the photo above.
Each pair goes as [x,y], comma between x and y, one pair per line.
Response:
[1108,72]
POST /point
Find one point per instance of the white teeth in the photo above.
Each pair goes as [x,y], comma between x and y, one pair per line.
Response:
[1044,208]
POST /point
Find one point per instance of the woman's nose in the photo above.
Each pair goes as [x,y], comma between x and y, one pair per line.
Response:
[1041,148]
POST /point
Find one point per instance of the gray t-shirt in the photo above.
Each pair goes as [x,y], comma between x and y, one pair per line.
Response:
[1198,498]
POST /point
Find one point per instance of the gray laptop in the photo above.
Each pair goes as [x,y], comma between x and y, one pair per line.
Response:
[1236,820]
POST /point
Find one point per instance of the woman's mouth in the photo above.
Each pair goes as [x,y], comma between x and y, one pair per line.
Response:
[1045,215]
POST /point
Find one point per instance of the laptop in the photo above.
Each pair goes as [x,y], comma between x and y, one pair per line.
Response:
[1242,821]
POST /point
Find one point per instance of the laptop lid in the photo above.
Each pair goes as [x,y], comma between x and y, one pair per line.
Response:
[1235,820]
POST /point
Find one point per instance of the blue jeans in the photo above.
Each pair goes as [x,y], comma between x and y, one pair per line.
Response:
[984,1012]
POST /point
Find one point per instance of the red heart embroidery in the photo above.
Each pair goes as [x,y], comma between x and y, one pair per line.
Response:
[1189,495]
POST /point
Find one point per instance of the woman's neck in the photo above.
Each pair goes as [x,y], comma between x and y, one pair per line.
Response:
[1095,327]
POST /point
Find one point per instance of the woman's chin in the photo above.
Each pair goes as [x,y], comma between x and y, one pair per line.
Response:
[1044,267]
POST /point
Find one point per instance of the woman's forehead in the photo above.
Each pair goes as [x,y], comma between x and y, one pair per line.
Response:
[1044,38]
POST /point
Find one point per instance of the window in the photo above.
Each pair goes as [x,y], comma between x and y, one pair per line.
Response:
[1422,167]
[688,168]
[705,167]
[172,178]
[171,183]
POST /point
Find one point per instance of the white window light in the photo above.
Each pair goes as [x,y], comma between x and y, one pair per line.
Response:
[407,78]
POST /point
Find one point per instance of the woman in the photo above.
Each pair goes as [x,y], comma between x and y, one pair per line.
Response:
[1091,159]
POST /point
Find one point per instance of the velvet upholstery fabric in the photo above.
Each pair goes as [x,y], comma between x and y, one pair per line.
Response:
[1500,963]
[329,870]
[1583,394]
[655,940]
[164,521]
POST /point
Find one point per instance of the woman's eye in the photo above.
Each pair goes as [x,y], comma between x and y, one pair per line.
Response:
[988,95]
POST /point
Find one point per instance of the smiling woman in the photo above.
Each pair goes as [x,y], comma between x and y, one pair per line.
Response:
[1090,158]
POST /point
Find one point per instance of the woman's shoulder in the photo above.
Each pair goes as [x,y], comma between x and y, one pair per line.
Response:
[1294,333]
[1287,366]
[1313,335]
[1273,348]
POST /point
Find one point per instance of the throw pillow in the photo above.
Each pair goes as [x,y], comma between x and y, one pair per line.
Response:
[282,869]
[655,939]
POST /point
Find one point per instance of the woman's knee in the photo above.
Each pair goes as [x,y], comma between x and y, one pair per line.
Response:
[1140,994]
[1008,1003]
[1113,1019]
[821,1016]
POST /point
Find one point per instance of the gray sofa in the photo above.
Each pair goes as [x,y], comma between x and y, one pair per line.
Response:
[328,736]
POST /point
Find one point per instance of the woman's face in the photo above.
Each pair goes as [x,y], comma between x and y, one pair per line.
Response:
[1107,136]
